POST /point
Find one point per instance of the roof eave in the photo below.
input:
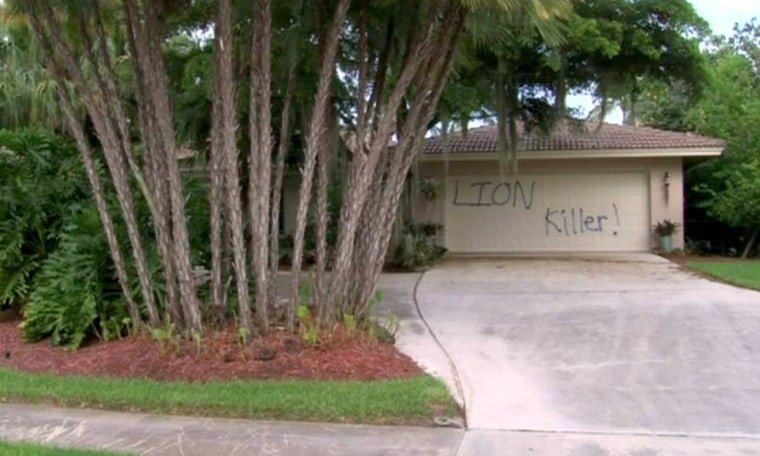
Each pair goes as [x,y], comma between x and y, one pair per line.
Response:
[693,152]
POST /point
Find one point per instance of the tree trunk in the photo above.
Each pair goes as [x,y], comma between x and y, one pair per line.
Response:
[223,124]
[77,130]
[366,154]
[160,211]
[389,188]
[261,161]
[94,101]
[560,90]
[106,78]
[317,126]
[323,174]
[322,220]
[750,243]
[160,96]
[145,41]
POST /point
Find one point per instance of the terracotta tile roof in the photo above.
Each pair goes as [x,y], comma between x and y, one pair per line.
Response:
[608,137]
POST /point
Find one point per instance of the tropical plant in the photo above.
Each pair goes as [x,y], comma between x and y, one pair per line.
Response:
[70,300]
[27,93]
[666,227]
[418,248]
[40,179]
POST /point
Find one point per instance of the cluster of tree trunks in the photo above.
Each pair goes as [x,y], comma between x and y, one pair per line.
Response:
[398,88]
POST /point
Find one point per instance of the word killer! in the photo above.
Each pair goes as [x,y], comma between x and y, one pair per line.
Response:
[577,221]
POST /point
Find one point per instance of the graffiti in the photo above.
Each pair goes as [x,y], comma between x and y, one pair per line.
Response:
[488,193]
[558,221]
[577,221]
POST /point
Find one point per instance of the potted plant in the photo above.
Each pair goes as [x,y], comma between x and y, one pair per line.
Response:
[429,188]
[665,229]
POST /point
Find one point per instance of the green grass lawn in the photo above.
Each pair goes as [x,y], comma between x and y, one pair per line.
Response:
[413,401]
[27,449]
[745,273]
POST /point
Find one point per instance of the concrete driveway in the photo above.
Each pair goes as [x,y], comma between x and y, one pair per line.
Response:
[625,345]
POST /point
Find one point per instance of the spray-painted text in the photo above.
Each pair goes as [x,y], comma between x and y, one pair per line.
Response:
[577,221]
[488,193]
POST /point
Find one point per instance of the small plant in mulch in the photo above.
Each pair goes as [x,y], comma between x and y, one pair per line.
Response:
[308,326]
[198,341]
[165,336]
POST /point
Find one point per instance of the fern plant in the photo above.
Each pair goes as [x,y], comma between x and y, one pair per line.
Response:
[69,302]
[64,302]
[40,178]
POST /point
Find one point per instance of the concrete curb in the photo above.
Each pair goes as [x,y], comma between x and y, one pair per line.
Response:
[172,436]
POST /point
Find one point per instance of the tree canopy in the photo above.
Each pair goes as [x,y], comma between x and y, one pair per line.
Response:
[726,188]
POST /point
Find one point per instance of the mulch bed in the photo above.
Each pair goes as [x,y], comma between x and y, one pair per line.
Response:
[340,356]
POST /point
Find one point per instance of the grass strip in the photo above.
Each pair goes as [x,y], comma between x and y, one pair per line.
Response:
[28,449]
[742,273]
[412,401]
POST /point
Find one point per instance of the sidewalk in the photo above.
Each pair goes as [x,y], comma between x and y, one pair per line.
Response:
[182,436]
[174,436]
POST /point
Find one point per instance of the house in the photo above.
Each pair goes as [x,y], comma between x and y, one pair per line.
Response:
[593,189]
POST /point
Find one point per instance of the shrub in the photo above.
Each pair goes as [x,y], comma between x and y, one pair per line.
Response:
[418,249]
[40,178]
[70,301]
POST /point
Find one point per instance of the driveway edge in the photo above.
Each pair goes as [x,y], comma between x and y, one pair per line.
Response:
[459,396]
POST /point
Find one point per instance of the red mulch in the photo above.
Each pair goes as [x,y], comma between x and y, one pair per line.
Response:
[339,357]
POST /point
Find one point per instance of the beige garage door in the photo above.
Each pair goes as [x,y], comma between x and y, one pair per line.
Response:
[548,213]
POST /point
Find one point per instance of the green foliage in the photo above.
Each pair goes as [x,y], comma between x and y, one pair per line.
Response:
[308,326]
[17,274]
[28,95]
[665,106]
[737,203]
[198,341]
[722,193]
[382,328]
[165,336]
[190,68]
[609,47]
[349,323]
[69,302]
[311,335]
[385,328]
[41,177]
[726,188]
[54,259]
[666,227]
[198,215]
[418,249]
[243,336]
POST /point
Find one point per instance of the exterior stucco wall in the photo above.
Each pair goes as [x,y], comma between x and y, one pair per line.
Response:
[665,201]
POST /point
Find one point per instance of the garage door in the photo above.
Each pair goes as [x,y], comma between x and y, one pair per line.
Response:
[548,213]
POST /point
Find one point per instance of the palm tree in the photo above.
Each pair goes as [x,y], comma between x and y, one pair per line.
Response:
[27,92]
